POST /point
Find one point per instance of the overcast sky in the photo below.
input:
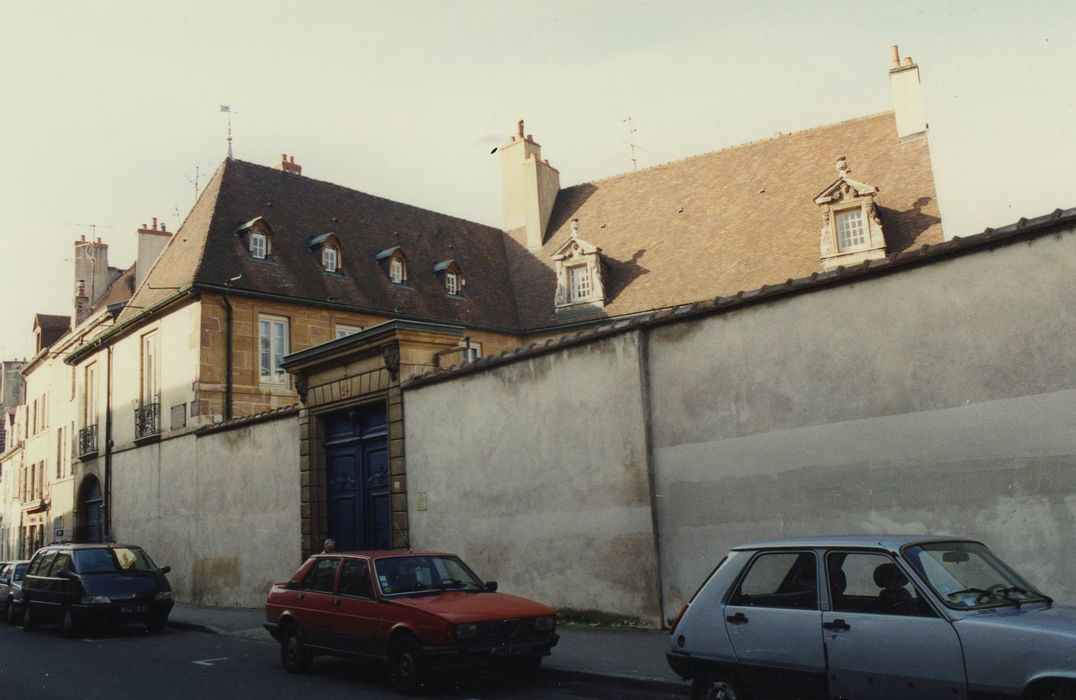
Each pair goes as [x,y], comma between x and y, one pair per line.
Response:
[111,109]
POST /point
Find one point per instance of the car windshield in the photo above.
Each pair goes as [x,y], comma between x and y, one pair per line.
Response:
[967,575]
[112,560]
[20,572]
[424,574]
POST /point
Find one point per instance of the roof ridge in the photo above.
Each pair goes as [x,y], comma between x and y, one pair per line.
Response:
[755,142]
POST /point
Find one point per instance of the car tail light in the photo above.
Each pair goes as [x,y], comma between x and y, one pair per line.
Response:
[676,620]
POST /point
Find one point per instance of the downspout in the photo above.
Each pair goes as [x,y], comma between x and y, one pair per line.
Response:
[227,357]
[108,448]
[648,439]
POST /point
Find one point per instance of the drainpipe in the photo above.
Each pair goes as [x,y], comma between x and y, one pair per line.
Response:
[227,357]
[108,448]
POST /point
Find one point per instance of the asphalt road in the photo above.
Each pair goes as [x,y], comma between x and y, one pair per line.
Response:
[188,664]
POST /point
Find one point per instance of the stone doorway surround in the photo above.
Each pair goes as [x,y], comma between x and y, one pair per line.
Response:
[356,370]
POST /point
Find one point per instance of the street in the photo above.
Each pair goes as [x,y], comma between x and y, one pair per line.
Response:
[187,664]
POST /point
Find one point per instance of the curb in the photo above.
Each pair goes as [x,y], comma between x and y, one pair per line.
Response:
[635,682]
[198,627]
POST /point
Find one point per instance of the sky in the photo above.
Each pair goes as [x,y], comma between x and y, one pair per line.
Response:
[111,110]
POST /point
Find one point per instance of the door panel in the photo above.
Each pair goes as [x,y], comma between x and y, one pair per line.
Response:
[357,470]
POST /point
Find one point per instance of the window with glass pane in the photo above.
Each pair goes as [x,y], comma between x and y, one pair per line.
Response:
[342,330]
[150,369]
[257,244]
[90,389]
[272,347]
[328,257]
[452,282]
[850,233]
[780,580]
[579,278]
[396,270]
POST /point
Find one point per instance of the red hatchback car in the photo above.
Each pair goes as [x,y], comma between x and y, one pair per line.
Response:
[419,611]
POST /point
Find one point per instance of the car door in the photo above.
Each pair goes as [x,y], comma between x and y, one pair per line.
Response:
[313,608]
[883,638]
[357,621]
[772,618]
[35,585]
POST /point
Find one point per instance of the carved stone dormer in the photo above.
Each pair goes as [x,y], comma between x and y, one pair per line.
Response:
[580,284]
[851,230]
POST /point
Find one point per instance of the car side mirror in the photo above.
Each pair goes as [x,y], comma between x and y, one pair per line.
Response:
[66,574]
[166,569]
[491,586]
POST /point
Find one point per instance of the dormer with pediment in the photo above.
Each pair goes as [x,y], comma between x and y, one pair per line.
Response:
[257,237]
[580,283]
[851,230]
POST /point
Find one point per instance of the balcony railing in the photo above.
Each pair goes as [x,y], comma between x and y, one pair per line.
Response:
[147,420]
[87,441]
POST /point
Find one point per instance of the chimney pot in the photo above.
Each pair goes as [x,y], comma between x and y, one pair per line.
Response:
[155,223]
[908,62]
[896,58]
[291,159]
[519,126]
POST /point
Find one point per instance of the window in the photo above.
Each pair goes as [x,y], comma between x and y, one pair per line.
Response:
[59,453]
[780,580]
[355,579]
[397,272]
[322,576]
[151,372]
[471,351]
[579,278]
[90,405]
[342,330]
[272,347]
[329,258]
[452,282]
[850,232]
[259,244]
[872,583]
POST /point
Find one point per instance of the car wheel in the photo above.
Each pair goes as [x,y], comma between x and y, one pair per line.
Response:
[14,614]
[712,688]
[1058,690]
[69,628]
[156,624]
[29,620]
[406,665]
[293,653]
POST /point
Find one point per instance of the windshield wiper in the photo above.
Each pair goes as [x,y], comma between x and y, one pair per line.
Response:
[450,583]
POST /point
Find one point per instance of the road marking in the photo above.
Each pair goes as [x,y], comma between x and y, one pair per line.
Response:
[209,662]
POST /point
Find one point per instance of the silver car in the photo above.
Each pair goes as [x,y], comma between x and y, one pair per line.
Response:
[11,576]
[865,617]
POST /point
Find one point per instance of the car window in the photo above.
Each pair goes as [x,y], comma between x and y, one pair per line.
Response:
[780,580]
[355,579]
[968,575]
[41,564]
[61,562]
[865,582]
[424,574]
[322,576]
[5,577]
[20,572]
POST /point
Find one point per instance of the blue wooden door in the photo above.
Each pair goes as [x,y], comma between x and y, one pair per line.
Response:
[357,472]
[92,512]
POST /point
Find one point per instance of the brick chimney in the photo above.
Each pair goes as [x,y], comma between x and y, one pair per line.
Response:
[91,270]
[529,187]
[288,164]
[151,241]
[907,97]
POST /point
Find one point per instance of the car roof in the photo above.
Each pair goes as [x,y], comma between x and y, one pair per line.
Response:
[887,542]
[385,553]
[90,545]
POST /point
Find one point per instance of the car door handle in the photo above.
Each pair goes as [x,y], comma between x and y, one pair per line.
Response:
[300,596]
[336,602]
[737,619]
[837,624]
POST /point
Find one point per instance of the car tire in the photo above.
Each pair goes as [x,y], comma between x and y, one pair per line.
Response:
[406,665]
[707,687]
[29,620]
[1058,690]
[14,614]
[293,653]
[156,624]
[69,628]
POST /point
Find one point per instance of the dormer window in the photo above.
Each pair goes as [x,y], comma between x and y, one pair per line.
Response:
[451,276]
[257,237]
[258,244]
[580,283]
[851,230]
[394,262]
[329,258]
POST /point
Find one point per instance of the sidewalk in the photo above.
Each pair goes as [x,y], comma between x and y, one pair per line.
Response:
[623,656]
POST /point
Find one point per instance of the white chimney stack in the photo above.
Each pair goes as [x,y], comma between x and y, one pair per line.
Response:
[529,188]
[907,97]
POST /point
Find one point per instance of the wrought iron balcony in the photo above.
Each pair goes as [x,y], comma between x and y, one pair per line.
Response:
[147,420]
[87,441]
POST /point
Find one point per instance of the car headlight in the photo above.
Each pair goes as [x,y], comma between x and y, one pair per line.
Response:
[544,624]
[467,631]
[96,600]
[163,595]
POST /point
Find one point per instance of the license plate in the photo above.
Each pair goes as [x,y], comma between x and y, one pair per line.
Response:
[133,609]
[511,650]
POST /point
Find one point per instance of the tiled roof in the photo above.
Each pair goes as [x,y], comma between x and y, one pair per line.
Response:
[51,322]
[922,255]
[121,289]
[729,220]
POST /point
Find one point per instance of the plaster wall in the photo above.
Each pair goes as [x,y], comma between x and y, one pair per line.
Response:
[941,399]
[536,474]
[221,509]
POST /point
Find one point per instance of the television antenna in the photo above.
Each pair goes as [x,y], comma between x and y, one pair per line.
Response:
[631,142]
[93,228]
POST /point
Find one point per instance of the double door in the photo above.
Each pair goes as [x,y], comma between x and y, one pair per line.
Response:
[357,474]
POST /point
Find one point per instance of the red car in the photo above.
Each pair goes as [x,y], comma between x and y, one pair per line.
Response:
[418,611]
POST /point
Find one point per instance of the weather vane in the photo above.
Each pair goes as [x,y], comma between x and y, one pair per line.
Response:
[228,110]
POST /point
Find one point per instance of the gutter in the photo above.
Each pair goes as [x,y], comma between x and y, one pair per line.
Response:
[120,328]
